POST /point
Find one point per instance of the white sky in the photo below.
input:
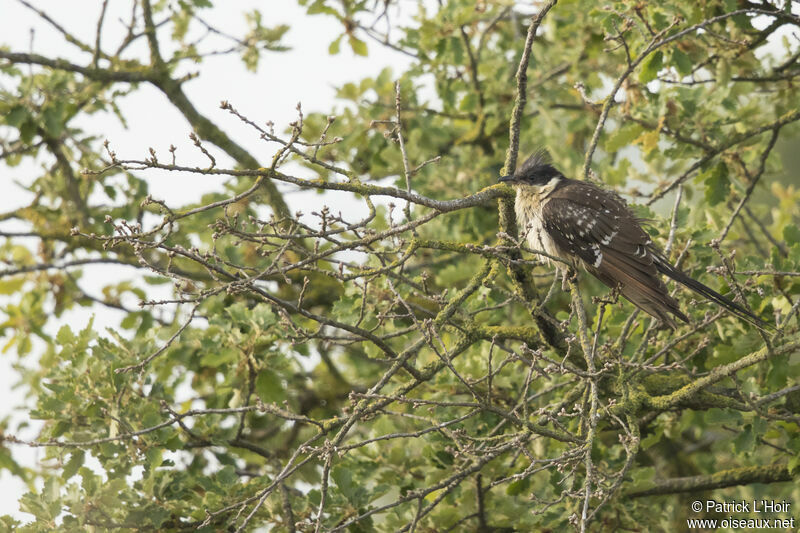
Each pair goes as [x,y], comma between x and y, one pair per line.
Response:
[306,74]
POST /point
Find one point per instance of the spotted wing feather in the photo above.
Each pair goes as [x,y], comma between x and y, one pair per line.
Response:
[599,229]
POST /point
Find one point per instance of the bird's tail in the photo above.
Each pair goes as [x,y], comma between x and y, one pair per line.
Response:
[670,271]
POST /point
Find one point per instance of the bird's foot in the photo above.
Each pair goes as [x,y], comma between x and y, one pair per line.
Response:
[613,297]
[568,276]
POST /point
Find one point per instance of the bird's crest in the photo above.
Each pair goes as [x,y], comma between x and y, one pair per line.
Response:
[537,170]
[539,160]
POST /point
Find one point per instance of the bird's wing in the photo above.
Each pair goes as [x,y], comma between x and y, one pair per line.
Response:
[598,227]
[590,223]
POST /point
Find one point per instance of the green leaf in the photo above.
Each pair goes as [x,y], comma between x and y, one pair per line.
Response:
[27,130]
[110,191]
[319,7]
[151,416]
[9,523]
[64,335]
[217,357]
[227,476]
[155,280]
[791,234]
[269,387]
[333,49]
[130,321]
[154,458]
[72,466]
[794,465]
[10,286]
[53,117]
[158,515]
[745,441]
[717,183]
[264,316]
[643,478]
[238,313]
[623,137]
[431,496]
[345,308]
[314,496]
[17,115]
[682,62]
[359,47]
[650,67]
[250,57]
[723,71]
[30,503]
[469,102]
[649,140]
[717,416]
[343,477]
[519,486]
[653,438]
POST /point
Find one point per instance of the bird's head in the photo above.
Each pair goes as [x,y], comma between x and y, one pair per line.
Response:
[536,171]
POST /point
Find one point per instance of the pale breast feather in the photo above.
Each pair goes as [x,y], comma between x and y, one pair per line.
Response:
[528,207]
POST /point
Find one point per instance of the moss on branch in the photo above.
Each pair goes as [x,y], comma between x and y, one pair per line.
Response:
[775,473]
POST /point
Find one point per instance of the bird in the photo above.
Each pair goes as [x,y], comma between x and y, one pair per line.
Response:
[582,224]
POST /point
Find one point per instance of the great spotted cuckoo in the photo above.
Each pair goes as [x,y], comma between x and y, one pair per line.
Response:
[584,225]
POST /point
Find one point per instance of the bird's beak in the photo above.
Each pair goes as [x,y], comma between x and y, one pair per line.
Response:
[506,179]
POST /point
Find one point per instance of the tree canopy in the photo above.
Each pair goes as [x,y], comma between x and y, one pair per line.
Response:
[417,367]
